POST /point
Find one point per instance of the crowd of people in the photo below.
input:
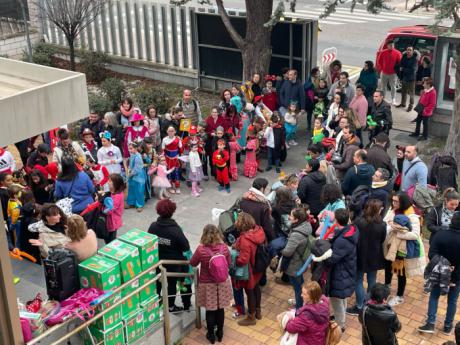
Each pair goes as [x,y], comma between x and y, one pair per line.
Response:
[351,210]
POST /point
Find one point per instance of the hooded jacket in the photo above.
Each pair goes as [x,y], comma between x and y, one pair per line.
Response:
[347,157]
[381,323]
[378,157]
[258,206]
[295,247]
[309,190]
[446,244]
[370,245]
[280,214]
[357,175]
[433,221]
[343,262]
[246,245]
[310,323]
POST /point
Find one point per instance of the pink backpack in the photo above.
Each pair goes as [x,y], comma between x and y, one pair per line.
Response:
[218,266]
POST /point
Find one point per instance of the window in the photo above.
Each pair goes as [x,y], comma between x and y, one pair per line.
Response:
[401,42]
[425,46]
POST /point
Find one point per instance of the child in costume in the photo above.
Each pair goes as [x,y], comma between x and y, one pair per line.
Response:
[250,163]
[269,93]
[275,135]
[136,132]
[187,143]
[290,124]
[109,155]
[88,144]
[203,137]
[172,147]
[262,111]
[220,158]
[7,162]
[161,179]
[14,213]
[149,158]
[319,133]
[196,171]
[234,149]
[136,179]
[100,174]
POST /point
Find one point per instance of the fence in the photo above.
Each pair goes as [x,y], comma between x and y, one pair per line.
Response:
[11,17]
[138,30]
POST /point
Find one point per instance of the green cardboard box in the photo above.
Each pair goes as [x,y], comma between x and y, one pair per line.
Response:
[132,304]
[134,326]
[151,310]
[113,336]
[99,272]
[146,243]
[127,255]
[150,290]
[111,318]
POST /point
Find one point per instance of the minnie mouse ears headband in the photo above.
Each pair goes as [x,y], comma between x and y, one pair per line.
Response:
[270,77]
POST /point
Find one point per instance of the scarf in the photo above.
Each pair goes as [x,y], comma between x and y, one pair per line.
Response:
[379,184]
[125,112]
[68,151]
[255,195]
[446,216]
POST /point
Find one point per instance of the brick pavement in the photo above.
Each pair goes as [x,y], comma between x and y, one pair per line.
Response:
[274,301]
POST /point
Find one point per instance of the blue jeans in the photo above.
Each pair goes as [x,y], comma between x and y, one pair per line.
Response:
[276,246]
[452,298]
[297,283]
[359,290]
[238,296]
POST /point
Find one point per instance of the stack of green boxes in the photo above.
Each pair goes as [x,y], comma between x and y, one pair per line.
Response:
[147,245]
[117,263]
[103,273]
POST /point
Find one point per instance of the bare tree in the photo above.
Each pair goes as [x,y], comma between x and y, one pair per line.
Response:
[71,17]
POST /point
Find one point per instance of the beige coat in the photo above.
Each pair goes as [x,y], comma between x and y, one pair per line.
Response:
[393,243]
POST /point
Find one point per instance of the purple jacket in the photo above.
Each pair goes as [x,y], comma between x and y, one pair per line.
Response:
[311,323]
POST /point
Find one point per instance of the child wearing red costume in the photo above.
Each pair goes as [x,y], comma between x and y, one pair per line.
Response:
[220,158]
[234,149]
[172,147]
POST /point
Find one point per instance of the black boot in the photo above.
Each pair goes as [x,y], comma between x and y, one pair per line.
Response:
[220,335]
[211,336]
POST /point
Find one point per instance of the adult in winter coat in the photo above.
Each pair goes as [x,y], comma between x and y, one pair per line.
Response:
[342,265]
[213,296]
[292,90]
[172,244]
[359,174]
[351,146]
[428,101]
[407,73]
[295,248]
[312,320]
[440,217]
[386,63]
[377,154]
[257,205]
[372,234]
[380,322]
[369,79]
[310,187]
[251,235]
[75,184]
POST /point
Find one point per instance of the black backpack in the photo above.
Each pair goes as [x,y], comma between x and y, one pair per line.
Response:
[227,221]
[443,172]
[262,258]
[97,221]
[61,274]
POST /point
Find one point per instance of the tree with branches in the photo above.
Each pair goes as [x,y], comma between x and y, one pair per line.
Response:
[71,17]
[445,10]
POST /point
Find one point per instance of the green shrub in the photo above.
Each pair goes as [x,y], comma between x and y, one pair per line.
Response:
[144,97]
[93,65]
[113,90]
[41,54]
[100,104]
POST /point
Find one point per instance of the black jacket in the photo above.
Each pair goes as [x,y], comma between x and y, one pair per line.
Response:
[172,242]
[35,159]
[408,67]
[261,212]
[280,214]
[309,190]
[292,92]
[381,323]
[370,245]
[447,243]
[382,112]
[433,221]
[383,194]
[378,157]
[356,176]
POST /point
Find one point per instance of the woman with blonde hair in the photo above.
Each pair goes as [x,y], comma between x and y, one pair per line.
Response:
[214,287]
[83,240]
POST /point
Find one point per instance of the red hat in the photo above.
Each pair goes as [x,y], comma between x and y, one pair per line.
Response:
[193,130]
[230,131]
[251,128]
[257,99]
[52,169]
[137,117]
[270,77]
[42,170]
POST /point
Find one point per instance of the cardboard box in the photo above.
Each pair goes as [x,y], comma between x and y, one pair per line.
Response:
[146,243]
[132,304]
[99,272]
[127,256]
[113,317]
[151,310]
[134,326]
[150,290]
[113,336]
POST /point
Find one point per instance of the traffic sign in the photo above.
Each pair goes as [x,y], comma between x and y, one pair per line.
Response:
[329,55]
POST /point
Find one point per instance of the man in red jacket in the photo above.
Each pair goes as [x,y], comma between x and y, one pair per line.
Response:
[387,62]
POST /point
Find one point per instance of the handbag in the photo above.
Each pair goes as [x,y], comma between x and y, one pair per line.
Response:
[67,200]
[419,108]
[287,338]
[238,272]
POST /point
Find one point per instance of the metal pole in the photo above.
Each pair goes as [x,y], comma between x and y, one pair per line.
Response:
[197,307]
[166,316]
[26,26]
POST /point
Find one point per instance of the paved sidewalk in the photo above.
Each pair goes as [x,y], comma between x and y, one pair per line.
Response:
[274,301]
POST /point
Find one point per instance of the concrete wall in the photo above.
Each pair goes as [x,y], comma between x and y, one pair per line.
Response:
[14,46]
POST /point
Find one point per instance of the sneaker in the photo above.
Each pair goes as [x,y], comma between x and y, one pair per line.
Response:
[400,105]
[414,135]
[220,188]
[175,309]
[394,101]
[294,143]
[268,168]
[205,178]
[396,300]
[409,109]
[177,191]
[278,170]
[291,302]
[195,195]
[228,190]
[447,330]
[354,311]
[287,146]
[427,328]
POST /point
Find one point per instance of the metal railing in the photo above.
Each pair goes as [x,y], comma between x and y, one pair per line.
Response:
[163,275]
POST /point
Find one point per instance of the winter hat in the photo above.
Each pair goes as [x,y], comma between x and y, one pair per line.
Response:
[137,117]
[193,130]
[403,220]
[455,221]
[257,99]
